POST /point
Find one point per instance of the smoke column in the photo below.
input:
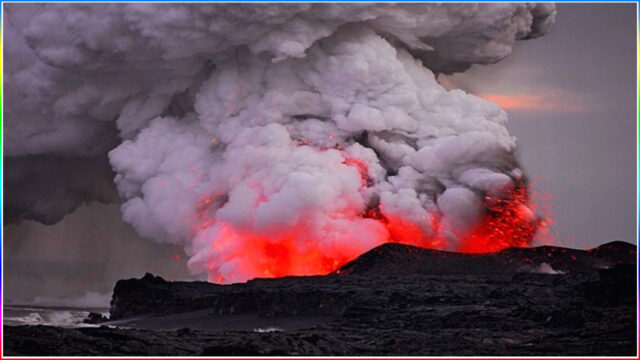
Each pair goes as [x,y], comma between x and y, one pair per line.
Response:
[267,139]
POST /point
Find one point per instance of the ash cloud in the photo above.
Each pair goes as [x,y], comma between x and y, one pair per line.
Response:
[229,123]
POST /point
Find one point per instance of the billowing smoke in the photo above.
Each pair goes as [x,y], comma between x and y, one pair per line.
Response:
[269,139]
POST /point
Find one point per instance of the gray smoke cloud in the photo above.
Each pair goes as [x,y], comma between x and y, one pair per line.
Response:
[227,124]
[46,187]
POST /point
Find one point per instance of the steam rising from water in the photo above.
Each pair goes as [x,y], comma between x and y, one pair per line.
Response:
[273,139]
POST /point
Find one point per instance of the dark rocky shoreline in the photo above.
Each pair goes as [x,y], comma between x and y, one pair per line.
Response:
[393,300]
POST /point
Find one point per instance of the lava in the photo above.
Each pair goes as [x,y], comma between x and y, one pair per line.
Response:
[509,221]
[274,256]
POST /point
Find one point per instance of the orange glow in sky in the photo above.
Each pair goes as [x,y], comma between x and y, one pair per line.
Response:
[518,102]
[533,102]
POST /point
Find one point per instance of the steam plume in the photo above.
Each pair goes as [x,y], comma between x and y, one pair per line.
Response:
[272,139]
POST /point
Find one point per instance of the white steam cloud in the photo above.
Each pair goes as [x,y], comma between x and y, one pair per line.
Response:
[268,139]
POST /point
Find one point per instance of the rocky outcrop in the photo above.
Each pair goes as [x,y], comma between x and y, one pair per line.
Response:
[401,259]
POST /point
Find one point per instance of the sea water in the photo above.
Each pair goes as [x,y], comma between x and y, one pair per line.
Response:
[16,315]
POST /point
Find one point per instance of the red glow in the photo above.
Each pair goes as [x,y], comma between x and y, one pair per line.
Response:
[276,257]
[509,223]
[361,166]
[406,232]
[295,250]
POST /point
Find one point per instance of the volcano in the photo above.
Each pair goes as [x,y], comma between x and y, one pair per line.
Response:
[393,300]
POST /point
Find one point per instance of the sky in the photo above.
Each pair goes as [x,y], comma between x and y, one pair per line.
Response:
[571,101]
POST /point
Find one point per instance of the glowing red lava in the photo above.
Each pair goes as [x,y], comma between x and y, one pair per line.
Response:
[509,221]
[264,256]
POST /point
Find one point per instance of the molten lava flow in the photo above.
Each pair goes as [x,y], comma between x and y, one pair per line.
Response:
[267,257]
[509,221]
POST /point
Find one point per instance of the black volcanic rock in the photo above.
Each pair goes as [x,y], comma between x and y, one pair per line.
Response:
[95,318]
[616,286]
[616,252]
[266,297]
[152,294]
[398,259]
[393,300]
